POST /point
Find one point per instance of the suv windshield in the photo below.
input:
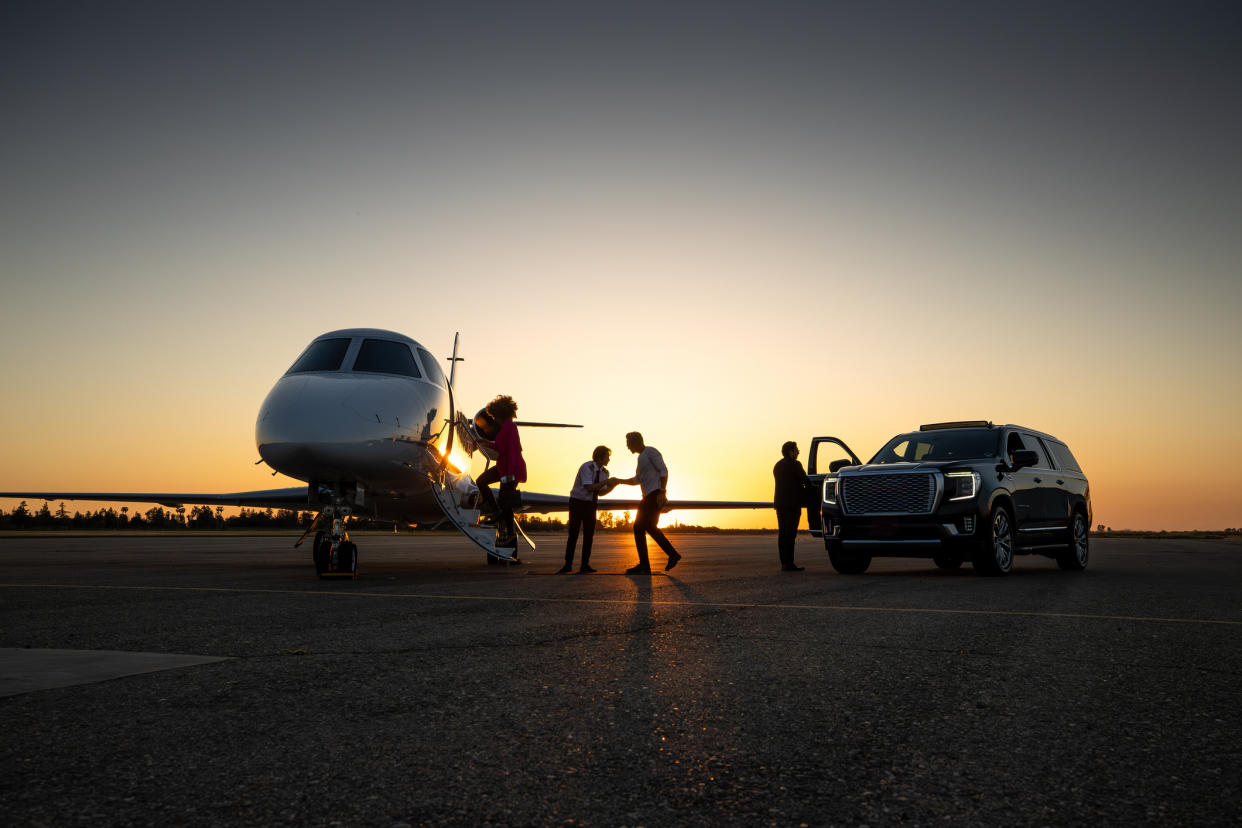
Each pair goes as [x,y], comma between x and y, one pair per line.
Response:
[950,444]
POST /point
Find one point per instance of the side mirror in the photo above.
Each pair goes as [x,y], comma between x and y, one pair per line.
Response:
[1023,458]
[837,465]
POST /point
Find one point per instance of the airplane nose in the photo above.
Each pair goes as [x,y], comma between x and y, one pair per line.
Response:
[314,427]
[284,415]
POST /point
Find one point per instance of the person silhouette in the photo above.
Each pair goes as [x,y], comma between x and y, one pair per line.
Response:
[652,476]
[509,471]
[790,496]
[590,482]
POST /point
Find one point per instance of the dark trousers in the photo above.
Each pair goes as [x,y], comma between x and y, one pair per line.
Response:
[646,522]
[581,516]
[506,524]
[787,520]
[483,481]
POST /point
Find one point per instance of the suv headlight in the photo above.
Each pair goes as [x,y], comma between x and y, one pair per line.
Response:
[830,491]
[961,485]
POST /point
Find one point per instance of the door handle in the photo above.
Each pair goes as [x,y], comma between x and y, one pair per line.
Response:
[1060,482]
[1037,480]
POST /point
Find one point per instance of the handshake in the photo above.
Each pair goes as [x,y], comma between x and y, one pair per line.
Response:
[605,486]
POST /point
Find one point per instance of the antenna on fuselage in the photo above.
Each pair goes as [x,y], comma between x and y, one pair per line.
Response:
[452,418]
[454,359]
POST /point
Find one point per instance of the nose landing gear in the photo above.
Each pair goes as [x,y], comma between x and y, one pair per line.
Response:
[335,555]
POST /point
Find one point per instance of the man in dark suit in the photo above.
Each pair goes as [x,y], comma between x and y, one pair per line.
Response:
[791,486]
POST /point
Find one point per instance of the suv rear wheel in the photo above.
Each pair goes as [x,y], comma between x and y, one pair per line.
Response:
[995,553]
[1074,556]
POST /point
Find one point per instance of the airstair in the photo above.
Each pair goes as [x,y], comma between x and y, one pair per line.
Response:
[456,495]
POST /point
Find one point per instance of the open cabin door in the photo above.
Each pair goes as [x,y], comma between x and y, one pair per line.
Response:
[824,454]
[448,496]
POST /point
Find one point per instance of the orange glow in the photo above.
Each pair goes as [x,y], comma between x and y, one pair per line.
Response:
[198,437]
[458,460]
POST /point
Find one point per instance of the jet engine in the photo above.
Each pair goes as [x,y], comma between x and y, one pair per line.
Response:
[477,433]
[485,425]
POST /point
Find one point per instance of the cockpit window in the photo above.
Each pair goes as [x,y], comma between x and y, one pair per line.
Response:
[956,444]
[429,365]
[322,355]
[380,356]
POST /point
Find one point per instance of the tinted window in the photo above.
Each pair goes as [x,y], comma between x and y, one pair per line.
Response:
[324,355]
[1034,444]
[955,444]
[1063,456]
[429,365]
[379,356]
[1014,443]
[825,454]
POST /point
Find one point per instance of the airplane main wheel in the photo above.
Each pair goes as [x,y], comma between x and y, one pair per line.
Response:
[347,557]
[320,551]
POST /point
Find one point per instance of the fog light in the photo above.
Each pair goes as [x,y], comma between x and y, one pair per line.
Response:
[968,523]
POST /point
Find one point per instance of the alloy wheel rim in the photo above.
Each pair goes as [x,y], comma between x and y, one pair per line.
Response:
[1080,539]
[1001,541]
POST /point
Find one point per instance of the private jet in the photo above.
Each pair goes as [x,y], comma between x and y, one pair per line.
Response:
[368,420]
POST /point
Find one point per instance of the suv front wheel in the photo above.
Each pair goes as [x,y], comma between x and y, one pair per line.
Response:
[848,563]
[995,553]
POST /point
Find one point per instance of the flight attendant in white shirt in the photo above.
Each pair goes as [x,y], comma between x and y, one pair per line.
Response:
[591,482]
[652,475]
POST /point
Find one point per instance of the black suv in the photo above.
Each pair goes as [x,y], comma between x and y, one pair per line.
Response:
[954,492]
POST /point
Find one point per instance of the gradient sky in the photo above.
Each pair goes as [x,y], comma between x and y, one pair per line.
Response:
[726,225]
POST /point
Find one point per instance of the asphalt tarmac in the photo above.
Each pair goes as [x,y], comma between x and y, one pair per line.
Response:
[437,690]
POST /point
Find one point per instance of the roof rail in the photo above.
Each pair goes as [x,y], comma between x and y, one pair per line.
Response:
[959,424]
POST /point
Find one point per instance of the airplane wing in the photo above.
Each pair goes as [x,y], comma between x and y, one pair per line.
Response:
[292,498]
[544,503]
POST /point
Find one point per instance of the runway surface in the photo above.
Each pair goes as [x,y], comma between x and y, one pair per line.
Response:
[436,690]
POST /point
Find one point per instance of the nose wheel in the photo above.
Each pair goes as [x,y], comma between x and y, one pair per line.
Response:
[334,554]
[341,562]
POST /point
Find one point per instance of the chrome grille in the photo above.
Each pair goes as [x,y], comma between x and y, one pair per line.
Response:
[864,494]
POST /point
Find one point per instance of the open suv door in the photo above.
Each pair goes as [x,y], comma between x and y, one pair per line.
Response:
[827,454]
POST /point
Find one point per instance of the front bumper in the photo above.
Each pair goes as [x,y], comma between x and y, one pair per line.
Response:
[900,535]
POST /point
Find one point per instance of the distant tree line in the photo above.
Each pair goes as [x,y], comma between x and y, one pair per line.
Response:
[157,517]
[607,522]
[1207,534]
[205,518]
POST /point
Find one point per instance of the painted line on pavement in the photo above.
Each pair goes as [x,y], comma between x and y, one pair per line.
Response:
[691,604]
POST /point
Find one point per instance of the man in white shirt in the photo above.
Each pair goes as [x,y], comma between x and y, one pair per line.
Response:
[652,476]
[591,482]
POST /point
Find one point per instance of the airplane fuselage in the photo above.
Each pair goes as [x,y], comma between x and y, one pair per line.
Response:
[363,413]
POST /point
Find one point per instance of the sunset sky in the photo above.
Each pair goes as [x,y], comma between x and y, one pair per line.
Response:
[726,225]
